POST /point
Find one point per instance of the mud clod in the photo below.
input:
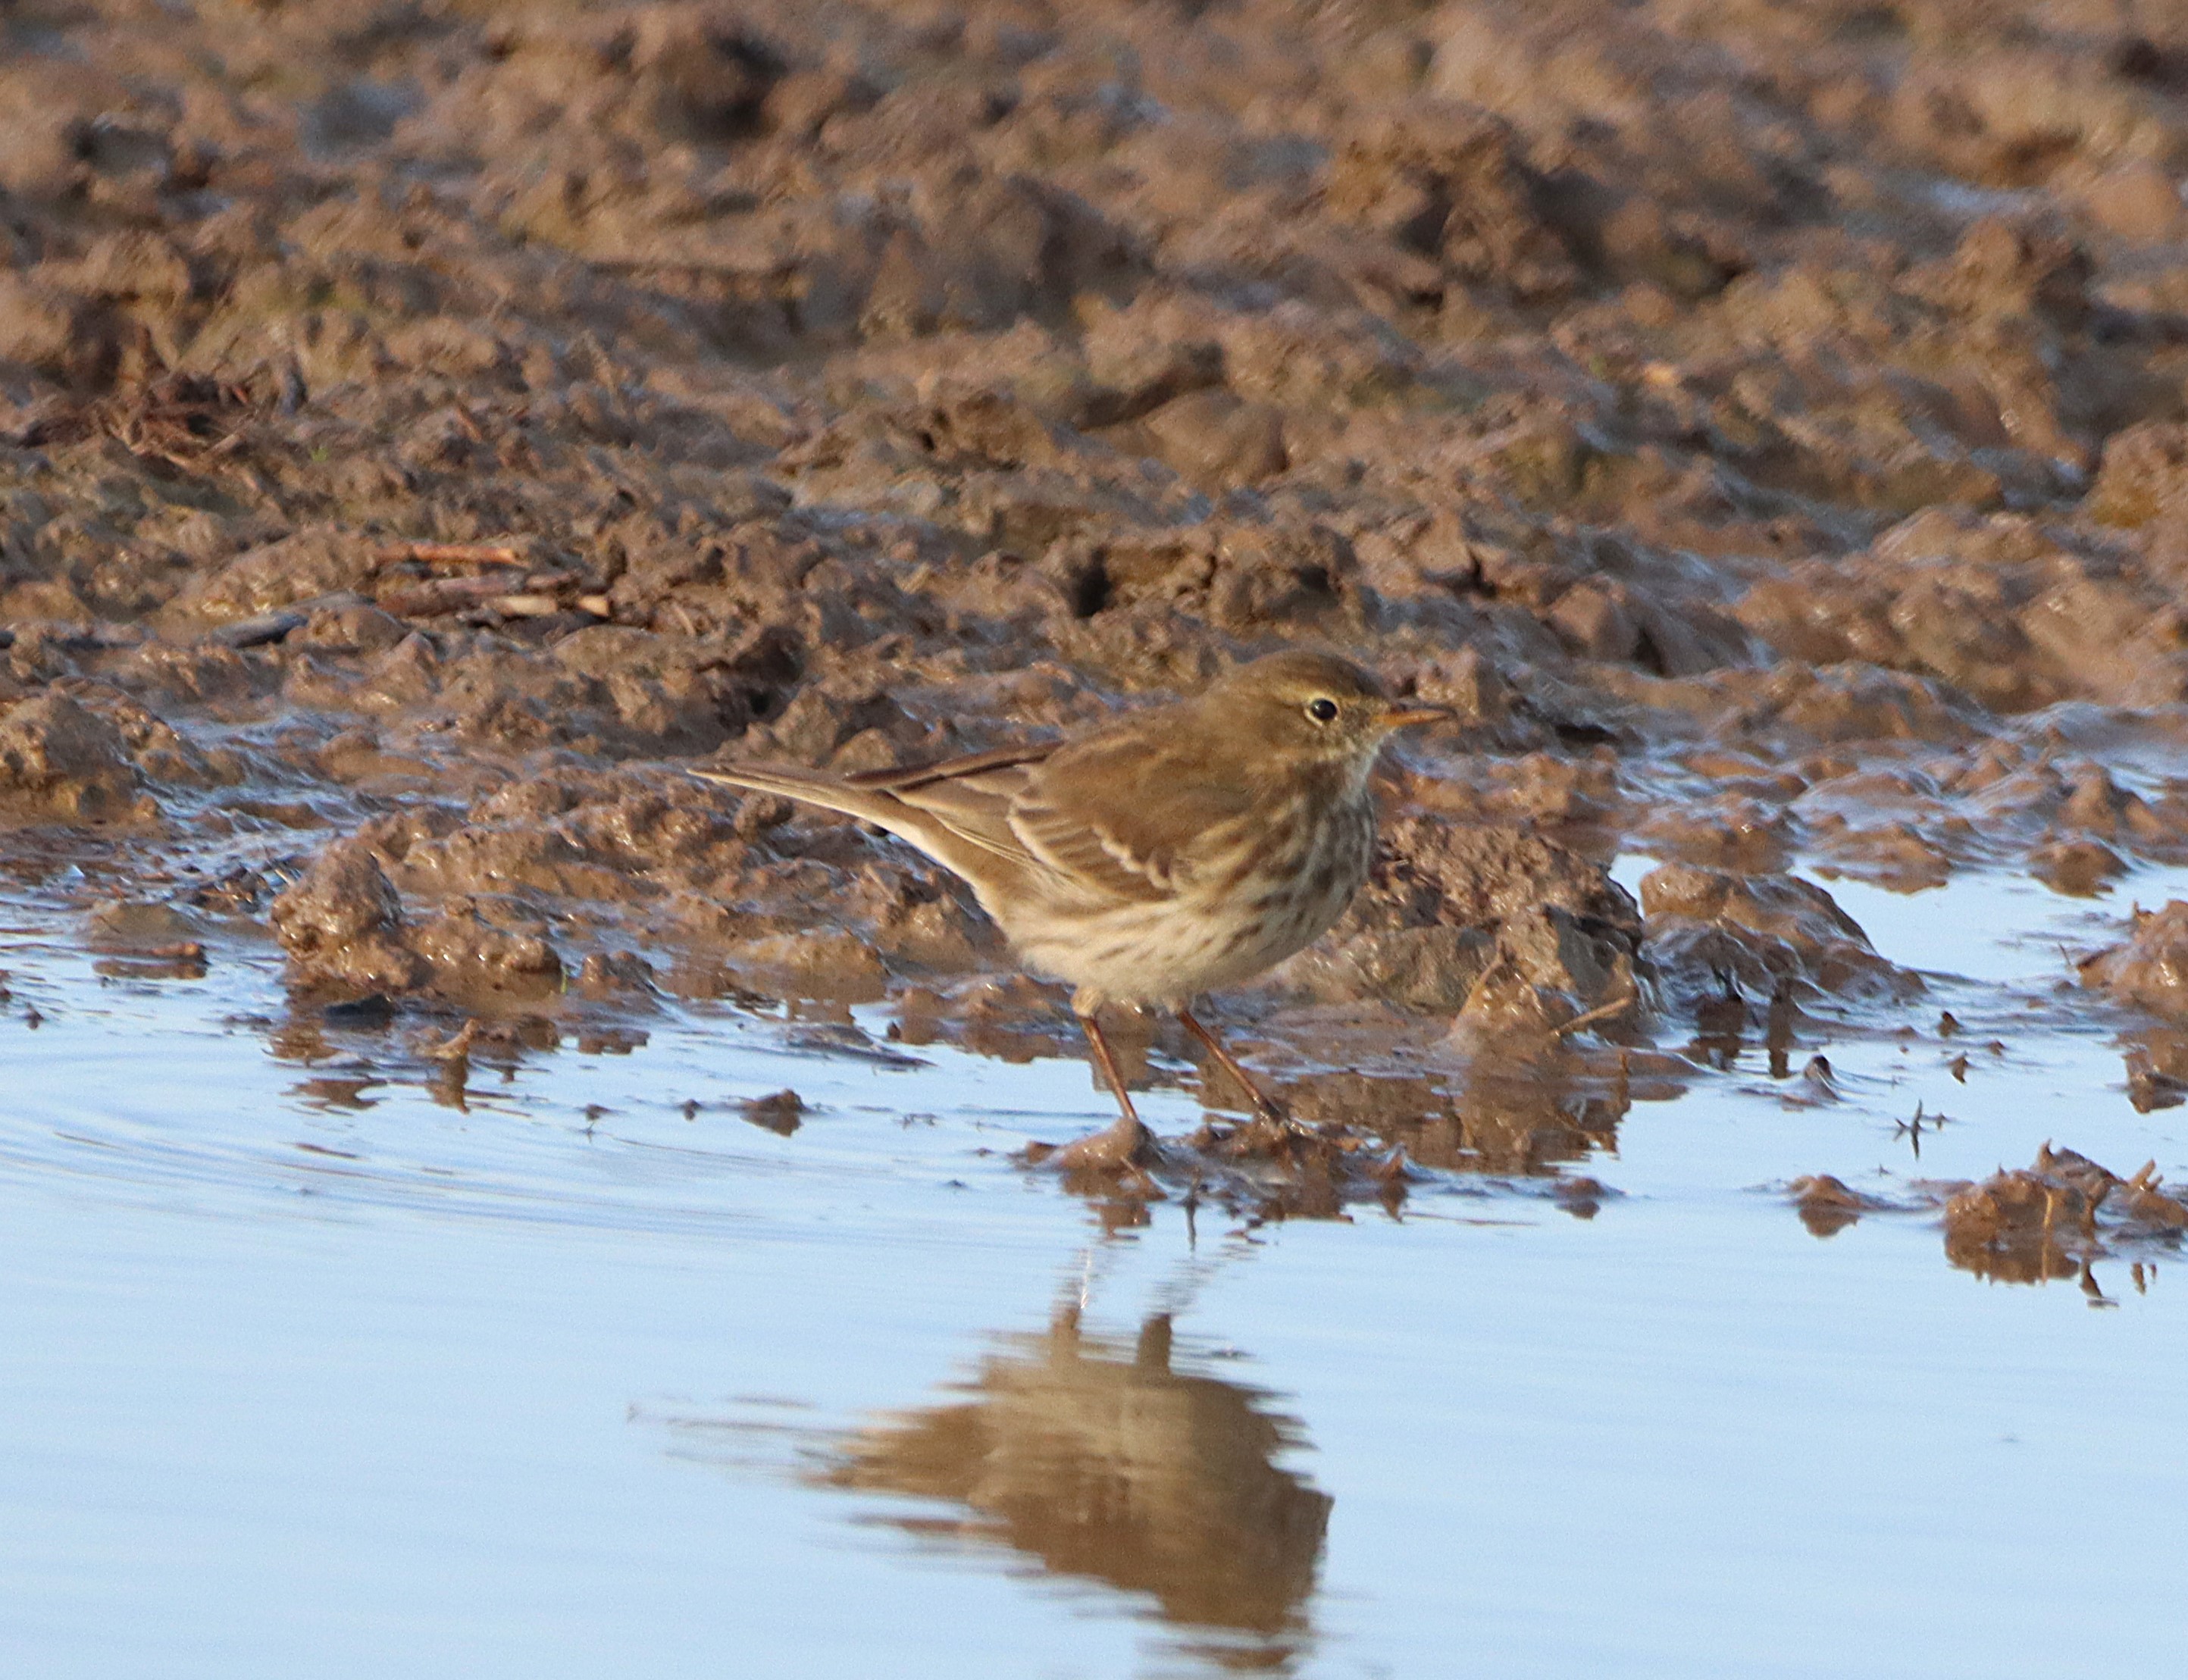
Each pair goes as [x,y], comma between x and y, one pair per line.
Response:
[59,763]
[479,946]
[2150,967]
[780,1113]
[1827,1205]
[342,925]
[2049,1221]
[1454,909]
[1706,929]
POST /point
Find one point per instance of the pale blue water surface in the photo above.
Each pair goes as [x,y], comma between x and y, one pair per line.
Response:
[334,1379]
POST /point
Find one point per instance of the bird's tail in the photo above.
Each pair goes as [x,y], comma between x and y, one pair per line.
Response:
[814,788]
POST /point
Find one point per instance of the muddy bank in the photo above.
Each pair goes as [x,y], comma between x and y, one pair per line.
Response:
[425,427]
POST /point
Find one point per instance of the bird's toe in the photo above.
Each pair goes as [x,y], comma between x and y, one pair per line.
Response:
[1125,1142]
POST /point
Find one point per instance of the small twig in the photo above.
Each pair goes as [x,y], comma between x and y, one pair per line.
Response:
[450,553]
[715,268]
[1601,1013]
[456,1049]
[444,595]
[524,607]
[456,594]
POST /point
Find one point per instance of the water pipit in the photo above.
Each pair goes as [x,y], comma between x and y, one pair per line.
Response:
[1172,852]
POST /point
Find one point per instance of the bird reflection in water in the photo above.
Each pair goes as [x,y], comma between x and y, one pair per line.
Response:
[1105,1462]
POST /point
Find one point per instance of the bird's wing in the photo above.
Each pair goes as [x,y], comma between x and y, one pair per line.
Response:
[814,788]
[971,767]
[970,795]
[1126,811]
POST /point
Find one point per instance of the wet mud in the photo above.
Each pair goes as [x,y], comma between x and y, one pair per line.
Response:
[426,429]
[2050,1220]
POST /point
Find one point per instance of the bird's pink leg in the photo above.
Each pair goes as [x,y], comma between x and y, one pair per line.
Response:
[1108,1064]
[1262,1102]
[1128,1141]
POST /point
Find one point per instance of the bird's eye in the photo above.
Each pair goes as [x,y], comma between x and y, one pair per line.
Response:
[1323,709]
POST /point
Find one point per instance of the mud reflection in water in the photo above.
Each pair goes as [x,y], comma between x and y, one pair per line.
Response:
[1522,1116]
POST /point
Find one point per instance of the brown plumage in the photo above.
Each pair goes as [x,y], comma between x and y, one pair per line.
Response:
[1175,851]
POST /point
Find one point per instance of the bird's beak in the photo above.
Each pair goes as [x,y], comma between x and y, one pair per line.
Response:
[1398,717]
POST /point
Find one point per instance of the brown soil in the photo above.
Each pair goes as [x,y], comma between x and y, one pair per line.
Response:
[2052,1220]
[424,425]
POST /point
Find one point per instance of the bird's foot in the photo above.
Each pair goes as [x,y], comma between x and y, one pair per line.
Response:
[1123,1145]
[1273,1135]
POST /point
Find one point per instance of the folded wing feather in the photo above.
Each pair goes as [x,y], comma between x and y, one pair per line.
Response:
[1143,848]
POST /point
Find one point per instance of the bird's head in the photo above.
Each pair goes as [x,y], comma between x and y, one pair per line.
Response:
[1313,708]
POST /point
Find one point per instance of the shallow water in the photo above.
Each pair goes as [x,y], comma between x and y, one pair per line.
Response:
[311,1370]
